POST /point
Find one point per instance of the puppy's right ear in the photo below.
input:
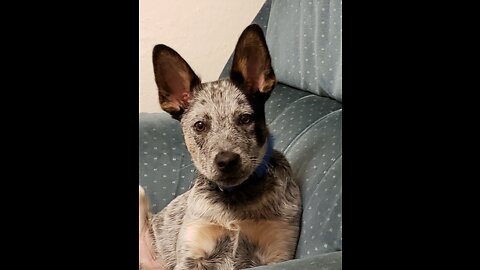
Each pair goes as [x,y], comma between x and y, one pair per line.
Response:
[175,80]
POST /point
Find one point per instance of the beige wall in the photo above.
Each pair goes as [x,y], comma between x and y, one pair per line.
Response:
[203,32]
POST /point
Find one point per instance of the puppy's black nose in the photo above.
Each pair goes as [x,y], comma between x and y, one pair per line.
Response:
[227,161]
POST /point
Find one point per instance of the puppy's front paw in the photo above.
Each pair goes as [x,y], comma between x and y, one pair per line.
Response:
[141,192]
[142,208]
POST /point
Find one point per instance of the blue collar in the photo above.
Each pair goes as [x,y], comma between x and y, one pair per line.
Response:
[262,169]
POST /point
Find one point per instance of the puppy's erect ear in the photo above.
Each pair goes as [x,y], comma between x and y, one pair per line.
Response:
[251,65]
[175,80]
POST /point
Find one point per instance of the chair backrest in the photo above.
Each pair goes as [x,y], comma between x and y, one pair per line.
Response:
[305,41]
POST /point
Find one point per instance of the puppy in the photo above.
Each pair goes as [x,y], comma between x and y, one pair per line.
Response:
[244,207]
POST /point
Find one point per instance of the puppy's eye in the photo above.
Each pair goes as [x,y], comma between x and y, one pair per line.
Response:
[245,119]
[199,126]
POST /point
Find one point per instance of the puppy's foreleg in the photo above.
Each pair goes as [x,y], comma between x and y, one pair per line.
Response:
[146,254]
[142,210]
[204,245]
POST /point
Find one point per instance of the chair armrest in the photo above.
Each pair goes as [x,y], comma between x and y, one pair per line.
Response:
[327,261]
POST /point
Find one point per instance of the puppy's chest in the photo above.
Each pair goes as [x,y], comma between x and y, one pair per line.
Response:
[249,241]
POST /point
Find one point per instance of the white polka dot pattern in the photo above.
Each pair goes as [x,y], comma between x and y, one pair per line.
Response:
[165,166]
[308,130]
[297,111]
[305,42]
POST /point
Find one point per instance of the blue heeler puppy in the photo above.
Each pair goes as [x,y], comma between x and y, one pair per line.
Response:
[244,207]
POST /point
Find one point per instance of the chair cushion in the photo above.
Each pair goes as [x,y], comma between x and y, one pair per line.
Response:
[305,42]
[165,167]
[308,129]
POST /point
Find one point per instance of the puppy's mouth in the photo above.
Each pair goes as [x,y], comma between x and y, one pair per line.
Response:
[229,181]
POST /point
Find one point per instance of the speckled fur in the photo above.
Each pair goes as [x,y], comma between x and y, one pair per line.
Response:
[256,223]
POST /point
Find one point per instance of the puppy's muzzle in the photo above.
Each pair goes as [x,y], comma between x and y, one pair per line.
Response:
[227,162]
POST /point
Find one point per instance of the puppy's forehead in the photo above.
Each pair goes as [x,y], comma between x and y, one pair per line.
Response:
[220,97]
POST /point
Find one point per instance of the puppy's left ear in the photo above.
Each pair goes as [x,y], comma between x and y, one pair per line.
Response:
[252,67]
